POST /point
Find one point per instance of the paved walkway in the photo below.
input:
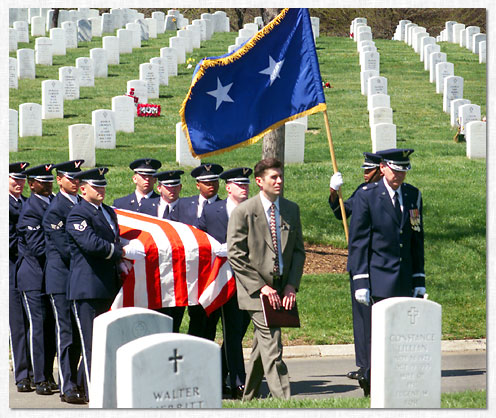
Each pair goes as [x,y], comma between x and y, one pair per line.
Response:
[320,372]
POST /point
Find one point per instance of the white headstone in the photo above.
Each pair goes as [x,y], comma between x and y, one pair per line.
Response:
[118,16]
[364,79]
[428,49]
[13,131]
[427,40]
[383,136]
[363,44]
[210,26]
[179,45]
[435,58]
[150,73]
[468,113]
[415,36]
[57,35]
[162,371]
[124,113]
[22,31]
[294,145]
[470,31]
[475,135]
[25,64]
[170,22]
[364,36]
[457,29]
[160,18]
[99,57]
[38,26]
[449,31]
[203,28]
[43,51]
[30,120]
[463,39]
[452,90]
[86,72]
[143,29]
[409,35]
[84,30]
[376,85]
[111,45]
[152,27]
[64,16]
[196,35]
[370,61]
[220,21]
[52,99]
[476,40]
[125,37]
[380,115]
[407,30]
[163,74]
[111,331]
[96,26]
[71,34]
[69,76]
[140,90]
[183,154]
[443,70]
[355,30]
[170,56]
[13,81]
[107,23]
[315,26]
[482,52]
[406,354]
[103,123]
[455,105]
[188,39]
[82,144]
[74,15]
[12,40]
[136,30]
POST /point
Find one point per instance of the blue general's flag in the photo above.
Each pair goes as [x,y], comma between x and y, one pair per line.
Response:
[235,99]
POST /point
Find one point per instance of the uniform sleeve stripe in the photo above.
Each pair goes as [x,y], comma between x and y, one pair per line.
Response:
[111,252]
[418,275]
[360,276]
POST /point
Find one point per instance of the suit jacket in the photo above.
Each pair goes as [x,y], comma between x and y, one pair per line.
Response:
[130,202]
[251,252]
[95,250]
[384,254]
[57,244]
[31,262]
[15,207]
[186,210]
[214,220]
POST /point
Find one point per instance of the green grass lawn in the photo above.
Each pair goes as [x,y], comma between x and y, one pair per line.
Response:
[453,187]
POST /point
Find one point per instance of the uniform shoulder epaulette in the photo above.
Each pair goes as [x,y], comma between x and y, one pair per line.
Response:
[369,186]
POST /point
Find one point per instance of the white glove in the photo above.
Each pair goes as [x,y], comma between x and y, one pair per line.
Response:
[221,250]
[336,181]
[134,250]
[363,296]
[418,292]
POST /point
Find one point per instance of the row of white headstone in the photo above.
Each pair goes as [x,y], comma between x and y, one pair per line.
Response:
[463,113]
[469,37]
[374,87]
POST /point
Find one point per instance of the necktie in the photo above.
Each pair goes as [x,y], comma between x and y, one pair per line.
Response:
[166,212]
[397,207]
[273,233]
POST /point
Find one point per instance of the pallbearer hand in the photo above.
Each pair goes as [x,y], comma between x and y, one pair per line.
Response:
[363,296]
[336,181]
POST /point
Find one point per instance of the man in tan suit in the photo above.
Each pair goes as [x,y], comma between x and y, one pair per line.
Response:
[266,253]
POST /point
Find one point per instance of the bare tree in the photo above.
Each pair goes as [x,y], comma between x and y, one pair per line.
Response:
[240,14]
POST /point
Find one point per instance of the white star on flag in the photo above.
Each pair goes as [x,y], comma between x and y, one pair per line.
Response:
[221,93]
[273,69]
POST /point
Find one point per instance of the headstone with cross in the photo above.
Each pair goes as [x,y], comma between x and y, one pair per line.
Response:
[406,354]
[112,330]
[169,371]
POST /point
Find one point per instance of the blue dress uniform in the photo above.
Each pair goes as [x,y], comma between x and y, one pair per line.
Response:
[151,207]
[18,322]
[361,314]
[386,248]
[56,281]
[235,322]
[142,166]
[30,281]
[96,251]
[186,211]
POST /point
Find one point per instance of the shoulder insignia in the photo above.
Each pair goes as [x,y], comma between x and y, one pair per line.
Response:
[58,226]
[80,227]
[364,187]
[33,228]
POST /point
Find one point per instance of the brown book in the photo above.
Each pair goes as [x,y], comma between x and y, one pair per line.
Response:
[276,318]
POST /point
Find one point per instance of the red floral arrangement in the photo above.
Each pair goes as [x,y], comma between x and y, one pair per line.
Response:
[144,109]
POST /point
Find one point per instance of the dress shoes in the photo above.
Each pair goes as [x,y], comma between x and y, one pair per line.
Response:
[73,396]
[365,385]
[54,386]
[237,392]
[24,385]
[356,374]
[43,388]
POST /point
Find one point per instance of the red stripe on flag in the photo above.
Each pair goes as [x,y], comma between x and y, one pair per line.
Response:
[204,258]
[152,271]
[227,290]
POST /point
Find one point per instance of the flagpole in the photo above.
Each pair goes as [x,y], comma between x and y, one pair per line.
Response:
[335,168]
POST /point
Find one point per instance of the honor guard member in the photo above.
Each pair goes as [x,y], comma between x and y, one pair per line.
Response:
[18,322]
[266,253]
[30,277]
[169,187]
[96,252]
[188,211]
[144,169]
[57,271]
[360,312]
[386,248]
[214,222]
